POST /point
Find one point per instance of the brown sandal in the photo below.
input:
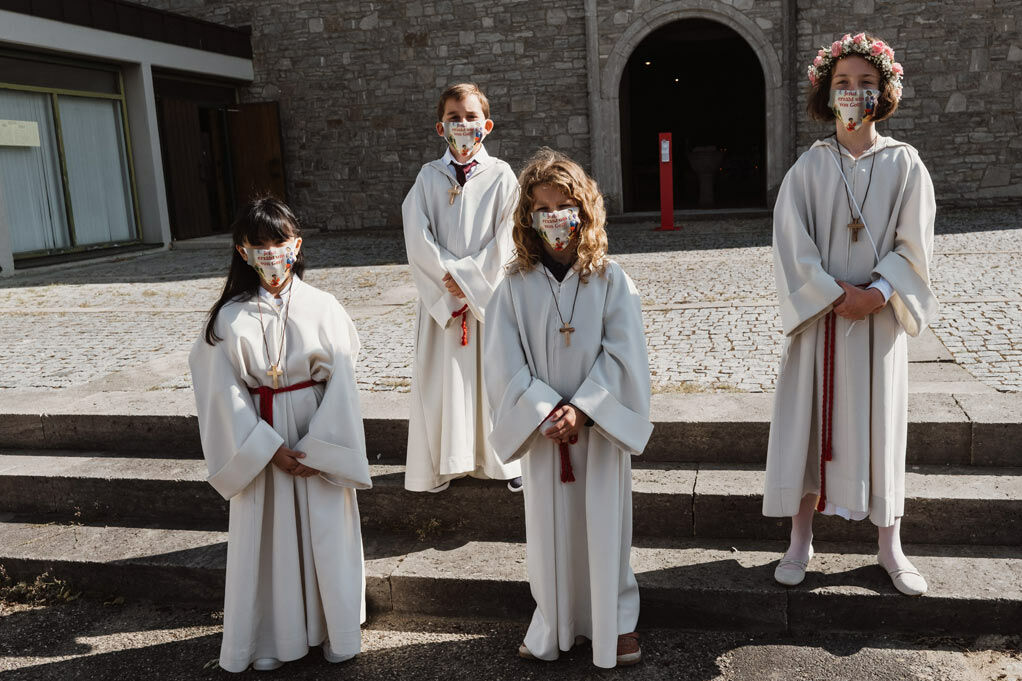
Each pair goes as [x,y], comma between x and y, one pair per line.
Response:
[628,650]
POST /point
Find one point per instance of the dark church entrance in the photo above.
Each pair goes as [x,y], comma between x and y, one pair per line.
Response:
[700,81]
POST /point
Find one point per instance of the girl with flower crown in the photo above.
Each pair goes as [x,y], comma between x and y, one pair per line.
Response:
[568,380]
[853,240]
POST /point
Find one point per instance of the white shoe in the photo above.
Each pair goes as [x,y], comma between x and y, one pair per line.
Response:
[332,657]
[440,488]
[515,484]
[791,572]
[907,581]
[267,664]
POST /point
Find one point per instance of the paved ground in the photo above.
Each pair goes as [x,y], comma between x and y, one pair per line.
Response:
[91,640]
[710,310]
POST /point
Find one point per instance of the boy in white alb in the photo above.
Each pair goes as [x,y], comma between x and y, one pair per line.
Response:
[458,237]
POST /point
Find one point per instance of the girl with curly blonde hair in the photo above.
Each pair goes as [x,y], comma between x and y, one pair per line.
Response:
[568,380]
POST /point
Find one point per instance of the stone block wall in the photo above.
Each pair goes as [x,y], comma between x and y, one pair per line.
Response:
[358,84]
[962,106]
[358,81]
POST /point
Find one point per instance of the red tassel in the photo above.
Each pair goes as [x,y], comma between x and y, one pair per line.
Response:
[827,416]
[463,313]
[567,474]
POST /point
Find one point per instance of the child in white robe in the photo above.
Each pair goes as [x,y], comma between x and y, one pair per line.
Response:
[458,238]
[853,238]
[282,436]
[568,378]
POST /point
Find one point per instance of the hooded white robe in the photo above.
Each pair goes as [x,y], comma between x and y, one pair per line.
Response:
[813,248]
[579,533]
[294,551]
[470,238]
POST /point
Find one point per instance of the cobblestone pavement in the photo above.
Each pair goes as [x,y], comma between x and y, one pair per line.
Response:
[709,305]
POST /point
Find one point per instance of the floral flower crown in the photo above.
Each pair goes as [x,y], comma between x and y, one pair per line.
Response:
[877,52]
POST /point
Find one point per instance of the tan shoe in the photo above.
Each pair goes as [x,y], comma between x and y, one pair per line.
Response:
[525,653]
[628,650]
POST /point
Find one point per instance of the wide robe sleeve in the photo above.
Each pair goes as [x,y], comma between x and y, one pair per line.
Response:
[427,258]
[522,401]
[478,274]
[616,392]
[804,288]
[236,443]
[906,267]
[335,443]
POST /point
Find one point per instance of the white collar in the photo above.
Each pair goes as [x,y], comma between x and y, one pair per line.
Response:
[882,143]
[273,300]
[481,157]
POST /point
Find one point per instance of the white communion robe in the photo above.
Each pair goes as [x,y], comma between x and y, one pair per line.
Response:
[470,238]
[813,248]
[579,534]
[294,551]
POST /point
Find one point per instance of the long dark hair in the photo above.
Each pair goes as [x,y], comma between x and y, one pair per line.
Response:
[265,220]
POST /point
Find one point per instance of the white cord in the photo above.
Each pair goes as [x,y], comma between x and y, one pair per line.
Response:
[848,187]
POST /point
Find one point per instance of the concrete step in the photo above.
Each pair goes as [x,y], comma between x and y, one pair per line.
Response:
[965,505]
[684,584]
[966,429]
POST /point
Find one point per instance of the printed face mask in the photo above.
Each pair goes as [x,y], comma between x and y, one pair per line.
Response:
[273,264]
[464,137]
[557,228]
[852,108]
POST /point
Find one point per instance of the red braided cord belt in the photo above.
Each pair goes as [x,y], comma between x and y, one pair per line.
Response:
[266,394]
[463,313]
[827,416]
[567,475]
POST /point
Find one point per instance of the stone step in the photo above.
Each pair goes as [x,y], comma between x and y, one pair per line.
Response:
[965,505]
[683,584]
[966,429]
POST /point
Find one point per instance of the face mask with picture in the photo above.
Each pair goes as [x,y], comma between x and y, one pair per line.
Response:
[852,108]
[273,264]
[464,137]
[557,228]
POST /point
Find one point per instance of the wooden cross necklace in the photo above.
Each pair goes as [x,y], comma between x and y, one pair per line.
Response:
[856,224]
[566,328]
[274,371]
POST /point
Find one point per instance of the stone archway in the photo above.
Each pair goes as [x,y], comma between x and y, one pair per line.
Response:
[605,105]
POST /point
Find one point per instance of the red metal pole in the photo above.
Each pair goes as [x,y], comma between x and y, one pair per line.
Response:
[666,153]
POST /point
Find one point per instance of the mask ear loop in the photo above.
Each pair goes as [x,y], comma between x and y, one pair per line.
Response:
[858,210]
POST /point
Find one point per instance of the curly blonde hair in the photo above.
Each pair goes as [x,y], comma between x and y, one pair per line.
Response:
[554,169]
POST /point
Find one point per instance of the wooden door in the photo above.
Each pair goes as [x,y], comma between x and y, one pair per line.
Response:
[184,169]
[257,158]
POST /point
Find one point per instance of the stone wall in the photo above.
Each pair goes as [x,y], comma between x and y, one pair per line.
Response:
[962,106]
[357,83]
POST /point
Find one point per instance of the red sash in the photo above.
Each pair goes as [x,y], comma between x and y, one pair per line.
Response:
[827,409]
[266,394]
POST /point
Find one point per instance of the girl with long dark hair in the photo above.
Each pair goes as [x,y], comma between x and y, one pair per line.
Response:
[282,436]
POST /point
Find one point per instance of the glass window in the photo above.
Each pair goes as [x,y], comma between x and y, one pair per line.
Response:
[97,169]
[31,191]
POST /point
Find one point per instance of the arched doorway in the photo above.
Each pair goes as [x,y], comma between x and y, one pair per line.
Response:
[701,81]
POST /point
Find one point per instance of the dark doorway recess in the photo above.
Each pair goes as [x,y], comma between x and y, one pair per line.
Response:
[217,154]
[700,81]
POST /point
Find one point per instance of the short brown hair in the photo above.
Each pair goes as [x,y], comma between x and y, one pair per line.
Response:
[458,92]
[818,96]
